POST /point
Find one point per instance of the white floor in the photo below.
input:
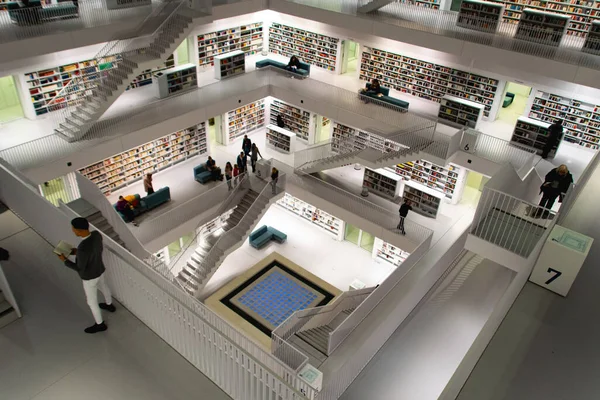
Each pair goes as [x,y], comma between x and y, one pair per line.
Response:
[309,246]
[47,356]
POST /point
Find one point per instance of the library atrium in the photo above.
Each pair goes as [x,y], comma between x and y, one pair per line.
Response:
[299,199]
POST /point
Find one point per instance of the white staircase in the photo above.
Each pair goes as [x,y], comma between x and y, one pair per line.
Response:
[7,313]
[218,245]
[76,120]
[368,157]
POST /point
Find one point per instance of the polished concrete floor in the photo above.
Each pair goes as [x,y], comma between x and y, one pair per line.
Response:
[46,355]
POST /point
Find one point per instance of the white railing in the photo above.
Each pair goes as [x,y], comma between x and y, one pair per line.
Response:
[29,22]
[495,149]
[207,341]
[511,223]
[444,23]
[93,195]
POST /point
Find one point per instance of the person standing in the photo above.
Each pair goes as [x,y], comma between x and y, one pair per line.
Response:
[90,267]
[254,156]
[246,145]
[280,121]
[148,188]
[124,207]
[236,172]
[554,136]
[556,183]
[228,173]
[241,162]
[404,209]
[274,179]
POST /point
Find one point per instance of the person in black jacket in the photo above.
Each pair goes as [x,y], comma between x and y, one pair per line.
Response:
[556,183]
[274,178]
[404,209]
[554,135]
[246,145]
[90,267]
[241,162]
[293,64]
[280,121]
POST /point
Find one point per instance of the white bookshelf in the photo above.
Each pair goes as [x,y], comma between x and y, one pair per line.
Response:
[480,15]
[296,119]
[280,139]
[426,80]
[424,200]
[45,85]
[388,252]
[592,40]
[460,112]
[230,64]
[244,120]
[582,12]
[441,179]
[361,140]
[434,4]
[246,38]
[581,120]
[382,182]
[325,221]
[531,134]
[124,168]
[175,80]
[311,47]
[542,26]
[145,78]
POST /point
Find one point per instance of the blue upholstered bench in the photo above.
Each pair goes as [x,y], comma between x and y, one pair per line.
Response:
[264,234]
[149,202]
[201,174]
[387,98]
[508,99]
[303,71]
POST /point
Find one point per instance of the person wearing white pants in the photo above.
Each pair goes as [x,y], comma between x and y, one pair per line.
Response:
[90,267]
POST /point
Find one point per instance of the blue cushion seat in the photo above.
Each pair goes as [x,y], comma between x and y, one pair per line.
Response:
[304,69]
[201,174]
[387,98]
[264,234]
[508,99]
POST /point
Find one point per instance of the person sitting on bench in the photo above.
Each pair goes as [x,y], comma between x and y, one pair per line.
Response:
[293,64]
[211,166]
[373,89]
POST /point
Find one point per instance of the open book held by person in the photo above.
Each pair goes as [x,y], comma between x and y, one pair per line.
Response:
[63,248]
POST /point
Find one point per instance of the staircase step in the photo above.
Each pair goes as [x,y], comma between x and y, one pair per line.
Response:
[9,315]
[4,305]
[2,298]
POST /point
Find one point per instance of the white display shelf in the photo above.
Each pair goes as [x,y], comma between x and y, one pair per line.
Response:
[382,182]
[361,140]
[581,120]
[460,112]
[424,200]
[480,15]
[326,221]
[145,78]
[45,85]
[390,253]
[531,133]
[230,64]
[175,80]
[581,12]
[542,26]
[280,139]
[124,168]
[296,119]
[244,120]
[441,179]
[312,48]
[426,80]
[247,38]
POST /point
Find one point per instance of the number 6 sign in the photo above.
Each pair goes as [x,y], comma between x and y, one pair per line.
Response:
[561,259]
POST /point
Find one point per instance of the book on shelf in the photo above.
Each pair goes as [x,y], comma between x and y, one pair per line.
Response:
[426,80]
[310,213]
[311,47]
[230,64]
[436,177]
[280,139]
[246,38]
[245,119]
